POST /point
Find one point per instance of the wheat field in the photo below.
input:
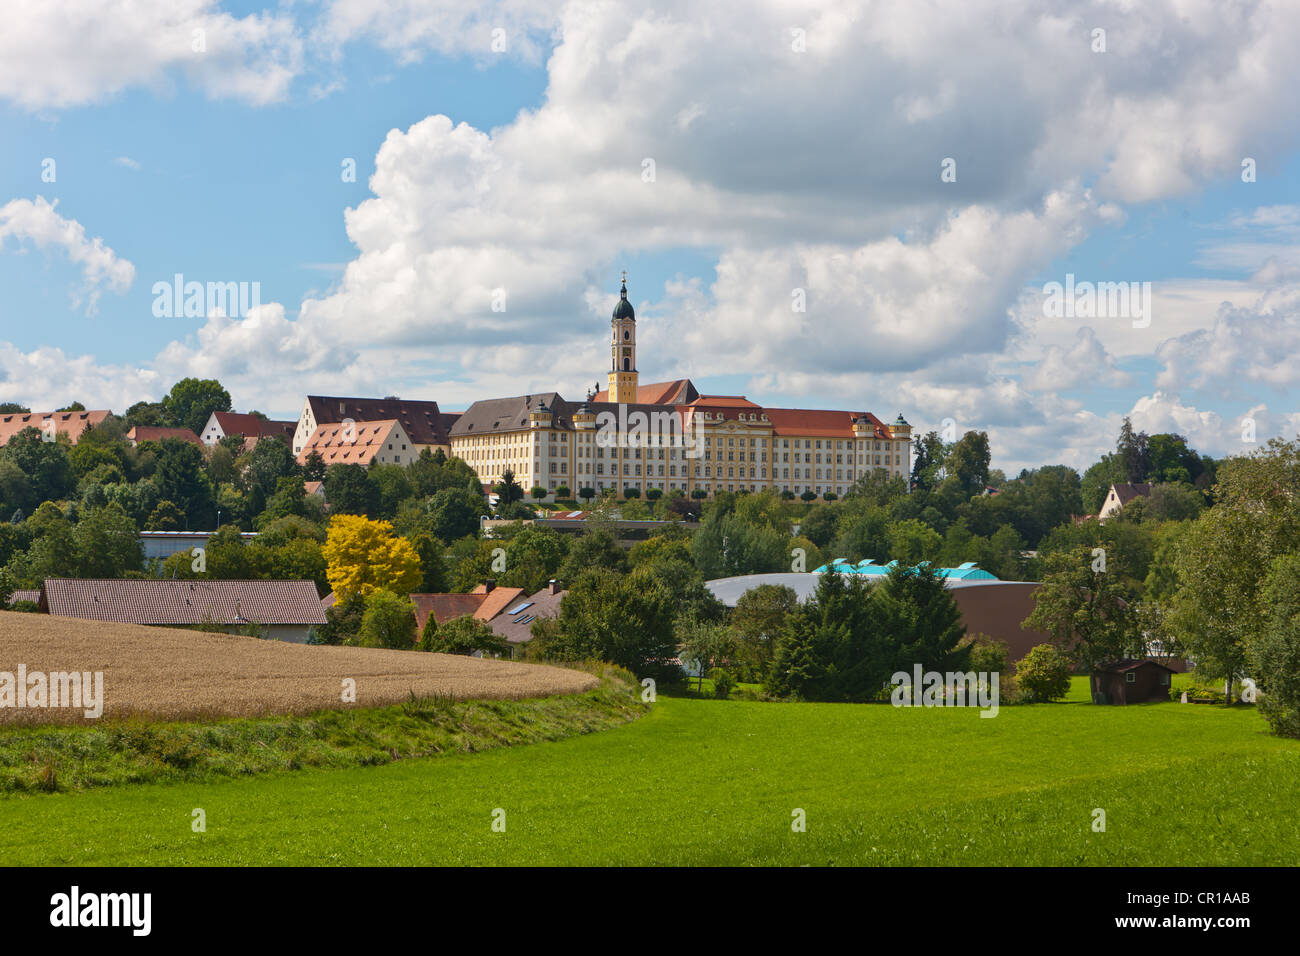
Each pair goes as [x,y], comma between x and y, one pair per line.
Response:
[169,673]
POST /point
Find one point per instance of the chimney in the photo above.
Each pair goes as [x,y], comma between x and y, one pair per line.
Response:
[488,585]
[553,586]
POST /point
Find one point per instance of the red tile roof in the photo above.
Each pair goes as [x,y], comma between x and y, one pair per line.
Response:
[250,426]
[726,401]
[183,602]
[483,605]
[139,433]
[497,601]
[338,445]
[820,422]
[678,391]
[444,607]
[71,424]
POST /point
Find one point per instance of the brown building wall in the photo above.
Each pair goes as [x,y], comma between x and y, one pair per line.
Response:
[997,610]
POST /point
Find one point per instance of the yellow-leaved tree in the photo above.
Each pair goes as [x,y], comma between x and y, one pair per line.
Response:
[363,556]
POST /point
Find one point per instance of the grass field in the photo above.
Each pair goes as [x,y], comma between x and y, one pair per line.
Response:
[171,673]
[715,782]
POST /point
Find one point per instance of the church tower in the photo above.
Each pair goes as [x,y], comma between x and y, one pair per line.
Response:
[622,369]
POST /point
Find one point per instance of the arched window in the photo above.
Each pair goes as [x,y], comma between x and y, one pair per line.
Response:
[627,365]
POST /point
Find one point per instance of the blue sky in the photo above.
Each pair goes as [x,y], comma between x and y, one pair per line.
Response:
[776,169]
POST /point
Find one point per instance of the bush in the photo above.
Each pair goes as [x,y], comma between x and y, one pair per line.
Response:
[465,635]
[389,621]
[1043,674]
[988,655]
[723,682]
[562,492]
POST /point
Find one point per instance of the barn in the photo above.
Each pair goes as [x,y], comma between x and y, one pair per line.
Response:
[1131,681]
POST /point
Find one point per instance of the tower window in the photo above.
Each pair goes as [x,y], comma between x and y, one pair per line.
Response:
[627,365]
[626,334]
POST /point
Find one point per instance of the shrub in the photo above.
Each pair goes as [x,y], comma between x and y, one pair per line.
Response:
[562,492]
[389,621]
[465,635]
[723,682]
[1043,674]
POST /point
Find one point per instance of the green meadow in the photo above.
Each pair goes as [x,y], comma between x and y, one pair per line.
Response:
[711,782]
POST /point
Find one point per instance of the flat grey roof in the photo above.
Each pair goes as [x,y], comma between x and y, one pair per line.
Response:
[729,590]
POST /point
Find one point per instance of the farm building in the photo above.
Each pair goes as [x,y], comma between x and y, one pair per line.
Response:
[1131,682]
[282,610]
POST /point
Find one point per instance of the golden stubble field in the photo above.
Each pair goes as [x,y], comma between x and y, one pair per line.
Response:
[171,673]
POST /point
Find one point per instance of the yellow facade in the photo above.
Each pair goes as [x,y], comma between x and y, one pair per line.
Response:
[731,444]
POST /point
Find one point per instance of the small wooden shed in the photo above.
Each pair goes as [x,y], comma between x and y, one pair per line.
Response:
[1131,681]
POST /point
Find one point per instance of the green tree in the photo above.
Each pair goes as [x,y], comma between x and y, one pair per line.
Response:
[433,568]
[350,491]
[108,543]
[183,480]
[533,557]
[192,400]
[467,636]
[1043,674]
[1276,652]
[914,607]
[757,619]
[166,516]
[706,645]
[1086,609]
[593,549]
[313,469]
[605,616]
[389,621]
[968,462]
[928,459]
[454,513]
[911,542]
[1133,452]
[507,489]
[45,463]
